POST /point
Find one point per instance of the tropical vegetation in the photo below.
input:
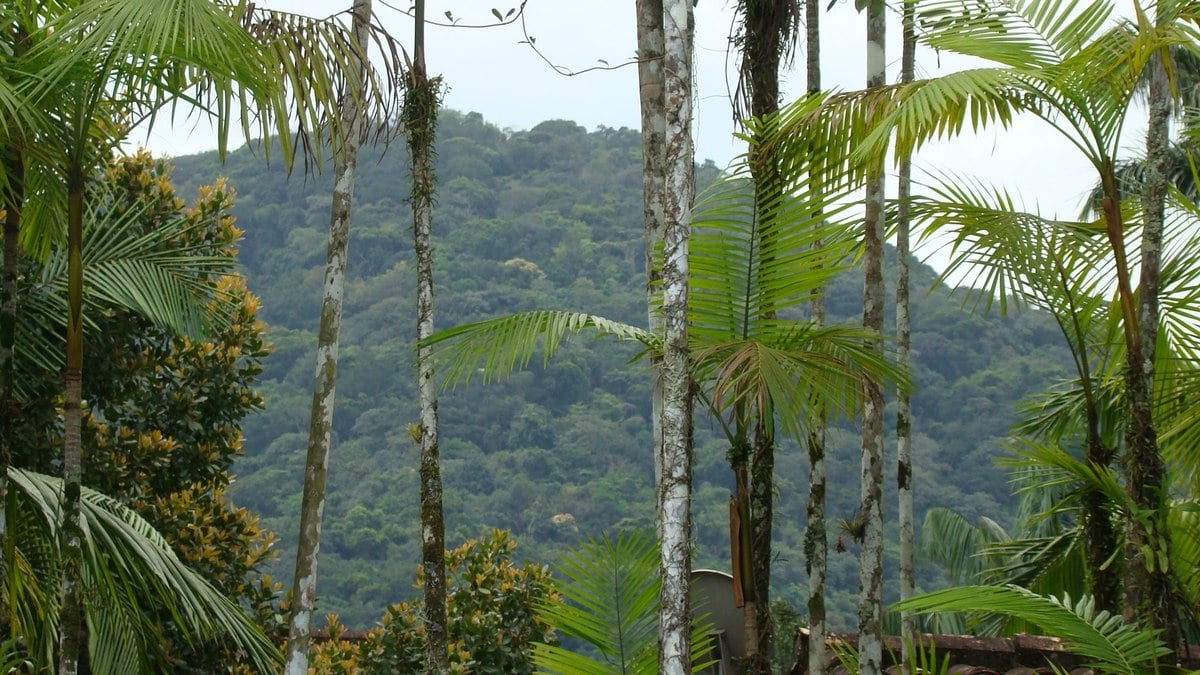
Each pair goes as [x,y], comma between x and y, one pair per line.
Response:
[736,365]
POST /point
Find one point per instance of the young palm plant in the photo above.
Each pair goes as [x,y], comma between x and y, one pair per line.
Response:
[608,598]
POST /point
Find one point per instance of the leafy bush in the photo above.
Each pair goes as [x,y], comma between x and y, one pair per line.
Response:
[490,611]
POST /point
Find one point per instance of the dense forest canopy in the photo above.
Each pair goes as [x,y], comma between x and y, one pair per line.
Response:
[551,218]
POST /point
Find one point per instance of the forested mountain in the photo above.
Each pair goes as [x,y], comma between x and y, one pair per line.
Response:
[550,218]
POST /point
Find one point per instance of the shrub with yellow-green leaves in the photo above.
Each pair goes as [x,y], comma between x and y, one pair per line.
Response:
[490,609]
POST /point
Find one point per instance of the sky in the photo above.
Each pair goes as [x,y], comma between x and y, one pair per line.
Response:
[493,72]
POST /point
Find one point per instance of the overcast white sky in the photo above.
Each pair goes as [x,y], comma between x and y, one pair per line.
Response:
[489,71]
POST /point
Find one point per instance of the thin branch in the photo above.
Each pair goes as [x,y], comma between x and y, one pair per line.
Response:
[511,17]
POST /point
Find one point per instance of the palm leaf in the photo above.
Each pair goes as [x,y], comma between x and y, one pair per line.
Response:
[1108,643]
[496,348]
[792,368]
[320,65]
[1019,34]
[609,599]
[957,545]
[125,560]
[145,272]
[742,270]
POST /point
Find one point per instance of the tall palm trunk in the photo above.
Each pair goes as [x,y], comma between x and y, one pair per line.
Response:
[904,462]
[650,88]
[14,168]
[420,122]
[675,485]
[769,29]
[70,622]
[816,541]
[1147,579]
[320,429]
[870,602]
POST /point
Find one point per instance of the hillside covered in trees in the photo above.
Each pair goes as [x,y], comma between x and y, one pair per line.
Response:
[551,218]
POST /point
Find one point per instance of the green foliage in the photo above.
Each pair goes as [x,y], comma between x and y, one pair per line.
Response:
[552,452]
[609,599]
[491,617]
[1111,645]
[126,564]
[163,413]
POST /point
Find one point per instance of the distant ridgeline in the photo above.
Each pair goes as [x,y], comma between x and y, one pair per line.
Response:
[551,218]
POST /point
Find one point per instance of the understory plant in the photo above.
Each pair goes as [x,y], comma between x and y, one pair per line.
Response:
[607,605]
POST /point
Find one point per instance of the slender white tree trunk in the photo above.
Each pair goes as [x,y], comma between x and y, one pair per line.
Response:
[420,120]
[654,120]
[816,540]
[320,429]
[675,485]
[904,462]
[870,603]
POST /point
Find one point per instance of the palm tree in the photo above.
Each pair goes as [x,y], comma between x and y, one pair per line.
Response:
[1059,268]
[144,270]
[320,434]
[420,121]
[816,542]
[104,66]
[904,463]
[651,86]
[750,371]
[768,35]
[870,516]
[1065,65]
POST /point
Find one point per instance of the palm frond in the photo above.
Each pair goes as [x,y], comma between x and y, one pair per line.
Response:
[609,597]
[841,135]
[1058,467]
[1059,413]
[496,348]
[319,65]
[790,369]
[146,272]
[125,559]
[742,270]
[609,600]
[1107,642]
[957,545]
[1022,34]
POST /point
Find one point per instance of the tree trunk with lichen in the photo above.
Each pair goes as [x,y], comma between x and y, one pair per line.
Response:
[650,89]
[870,601]
[320,429]
[420,124]
[675,484]
[1148,577]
